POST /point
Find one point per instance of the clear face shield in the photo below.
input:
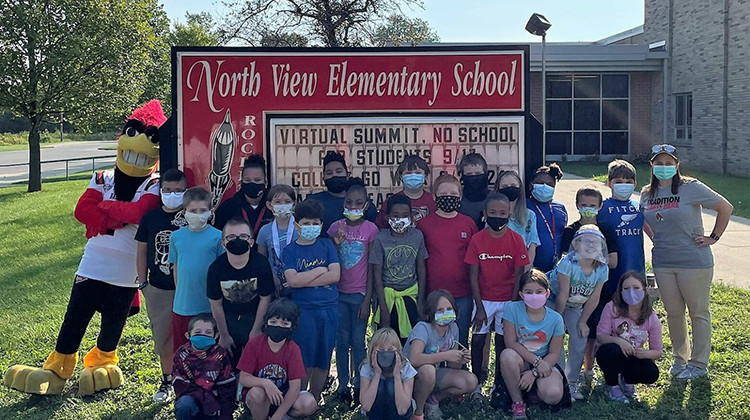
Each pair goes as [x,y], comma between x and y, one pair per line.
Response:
[589,243]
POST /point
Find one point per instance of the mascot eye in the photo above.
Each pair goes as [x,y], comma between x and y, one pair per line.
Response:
[131,132]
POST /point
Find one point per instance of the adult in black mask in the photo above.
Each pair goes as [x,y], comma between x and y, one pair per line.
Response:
[475,180]
[248,202]
[335,176]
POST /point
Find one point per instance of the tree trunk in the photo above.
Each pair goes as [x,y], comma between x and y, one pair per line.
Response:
[35,155]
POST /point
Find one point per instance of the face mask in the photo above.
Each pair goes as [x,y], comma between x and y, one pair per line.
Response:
[252,190]
[309,232]
[202,342]
[534,300]
[399,225]
[278,334]
[386,360]
[445,317]
[497,223]
[354,214]
[588,212]
[475,186]
[172,200]
[413,181]
[197,220]
[336,184]
[511,192]
[237,246]
[448,203]
[622,192]
[282,210]
[543,192]
[633,296]
[665,172]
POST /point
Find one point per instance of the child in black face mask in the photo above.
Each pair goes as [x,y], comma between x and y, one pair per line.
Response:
[475,180]
[271,368]
[386,379]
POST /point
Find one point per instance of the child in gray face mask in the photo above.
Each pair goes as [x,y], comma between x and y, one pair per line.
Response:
[386,379]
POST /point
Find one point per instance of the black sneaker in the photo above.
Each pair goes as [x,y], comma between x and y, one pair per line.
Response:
[165,392]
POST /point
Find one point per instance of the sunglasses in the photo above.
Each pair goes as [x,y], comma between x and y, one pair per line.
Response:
[663,148]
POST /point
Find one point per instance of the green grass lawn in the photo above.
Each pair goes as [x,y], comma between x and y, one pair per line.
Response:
[736,189]
[41,244]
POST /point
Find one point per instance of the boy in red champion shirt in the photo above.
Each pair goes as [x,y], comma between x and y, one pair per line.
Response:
[497,257]
[447,234]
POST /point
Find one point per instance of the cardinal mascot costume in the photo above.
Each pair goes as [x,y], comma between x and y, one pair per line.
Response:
[106,279]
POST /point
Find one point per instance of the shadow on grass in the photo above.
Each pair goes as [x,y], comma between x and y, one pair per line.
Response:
[698,405]
[699,402]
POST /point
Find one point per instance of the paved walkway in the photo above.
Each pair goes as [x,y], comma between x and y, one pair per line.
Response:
[731,253]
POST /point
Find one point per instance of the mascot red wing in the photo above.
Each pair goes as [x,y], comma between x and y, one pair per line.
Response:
[106,279]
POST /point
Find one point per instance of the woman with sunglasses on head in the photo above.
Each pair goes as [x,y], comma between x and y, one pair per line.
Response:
[682,258]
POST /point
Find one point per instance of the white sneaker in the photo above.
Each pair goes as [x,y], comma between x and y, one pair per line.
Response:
[575,391]
[677,369]
[165,392]
[692,372]
[433,411]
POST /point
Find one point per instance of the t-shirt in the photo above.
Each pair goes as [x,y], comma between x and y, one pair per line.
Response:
[473,209]
[528,231]
[497,259]
[353,254]
[155,229]
[398,255]
[535,336]
[570,231]
[281,367]
[676,220]
[581,285]
[239,290]
[624,327]
[551,219]
[447,240]
[237,206]
[433,342]
[301,258]
[625,220]
[265,238]
[193,252]
[333,209]
[420,208]
[407,371]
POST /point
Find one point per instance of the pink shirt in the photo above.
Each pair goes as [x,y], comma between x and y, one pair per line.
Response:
[353,254]
[624,327]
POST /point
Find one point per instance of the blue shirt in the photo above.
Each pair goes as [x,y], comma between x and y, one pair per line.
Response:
[333,209]
[193,252]
[551,219]
[528,231]
[301,258]
[535,336]
[581,285]
[625,220]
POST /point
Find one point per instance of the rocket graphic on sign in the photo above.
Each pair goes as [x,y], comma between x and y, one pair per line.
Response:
[223,141]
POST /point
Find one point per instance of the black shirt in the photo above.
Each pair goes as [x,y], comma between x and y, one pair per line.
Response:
[155,229]
[237,206]
[239,290]
[570,231]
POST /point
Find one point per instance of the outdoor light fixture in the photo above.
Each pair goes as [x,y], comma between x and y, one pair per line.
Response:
[538,25]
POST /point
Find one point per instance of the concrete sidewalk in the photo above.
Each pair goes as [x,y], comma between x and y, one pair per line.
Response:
[730,266]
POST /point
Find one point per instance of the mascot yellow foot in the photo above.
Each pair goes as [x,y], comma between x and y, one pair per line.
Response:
[48,380]
[100,372]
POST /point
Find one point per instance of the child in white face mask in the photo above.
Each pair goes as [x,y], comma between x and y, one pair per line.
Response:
[192,249]
[275,236]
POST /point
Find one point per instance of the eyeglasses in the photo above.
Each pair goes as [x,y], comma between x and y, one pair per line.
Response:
[663,148]
[243,236]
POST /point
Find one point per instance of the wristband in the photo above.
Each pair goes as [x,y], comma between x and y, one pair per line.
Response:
[535,373]
[714,236]
[537,361]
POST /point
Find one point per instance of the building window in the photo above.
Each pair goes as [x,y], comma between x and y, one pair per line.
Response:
[683,128]
[588,114]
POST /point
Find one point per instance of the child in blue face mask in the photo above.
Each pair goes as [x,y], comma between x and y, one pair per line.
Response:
[204,380]
[551,216]
[413,171]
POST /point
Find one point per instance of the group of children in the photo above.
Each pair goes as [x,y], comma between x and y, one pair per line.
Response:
[254,311]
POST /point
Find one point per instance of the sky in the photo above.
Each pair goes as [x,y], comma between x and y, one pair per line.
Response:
[497,20]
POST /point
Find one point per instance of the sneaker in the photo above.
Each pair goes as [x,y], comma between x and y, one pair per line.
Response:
[575,391]
[677,369]
[519,411]
[587,377]
[165,392]
[627,389]
[692,372]
[614,393]
[477,392]
[432,411]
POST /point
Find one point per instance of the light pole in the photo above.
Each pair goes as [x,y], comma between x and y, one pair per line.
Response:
[538,25]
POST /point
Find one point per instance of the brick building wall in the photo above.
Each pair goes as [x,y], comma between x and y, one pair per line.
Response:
[738,106]
[641,123]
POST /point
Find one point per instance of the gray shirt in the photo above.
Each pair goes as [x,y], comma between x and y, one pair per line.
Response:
[398,255]
[676,220]
[433,343]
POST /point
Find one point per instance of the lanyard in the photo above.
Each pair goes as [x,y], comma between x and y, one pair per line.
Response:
[258,221]
[550,229]
[275,234]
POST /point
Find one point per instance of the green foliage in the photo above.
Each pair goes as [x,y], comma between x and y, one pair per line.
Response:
[400,30]
[22,138]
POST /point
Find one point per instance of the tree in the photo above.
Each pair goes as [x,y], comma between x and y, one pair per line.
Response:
[86,57]
[400,29]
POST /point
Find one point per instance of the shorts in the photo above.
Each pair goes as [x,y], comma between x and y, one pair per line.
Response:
[159,310]
[272,409]
[494,311]
[316,335]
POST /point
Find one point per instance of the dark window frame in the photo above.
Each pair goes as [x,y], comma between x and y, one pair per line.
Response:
[683,110]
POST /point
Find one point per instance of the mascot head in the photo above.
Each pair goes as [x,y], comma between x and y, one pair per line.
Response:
[138,145]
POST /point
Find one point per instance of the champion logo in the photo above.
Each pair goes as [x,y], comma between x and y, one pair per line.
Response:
[485,256]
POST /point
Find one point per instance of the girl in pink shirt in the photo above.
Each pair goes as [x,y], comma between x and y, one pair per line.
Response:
[628,322]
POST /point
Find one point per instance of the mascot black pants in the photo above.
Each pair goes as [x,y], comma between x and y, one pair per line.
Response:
[89,296]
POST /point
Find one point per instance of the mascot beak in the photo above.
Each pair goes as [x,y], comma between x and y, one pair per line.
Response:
[137,155]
